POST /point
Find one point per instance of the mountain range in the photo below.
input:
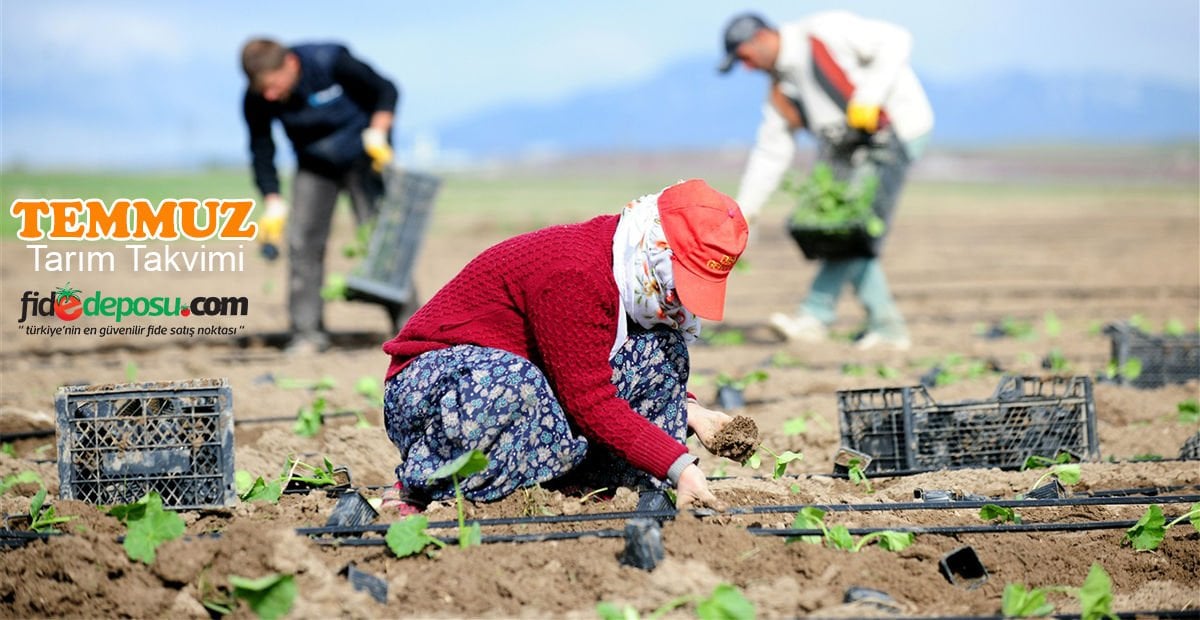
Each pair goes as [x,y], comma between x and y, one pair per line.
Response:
[689,105]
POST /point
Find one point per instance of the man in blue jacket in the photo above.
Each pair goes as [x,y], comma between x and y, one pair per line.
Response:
[338,113]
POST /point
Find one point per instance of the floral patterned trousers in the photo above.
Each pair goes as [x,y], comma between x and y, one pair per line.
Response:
[466,397]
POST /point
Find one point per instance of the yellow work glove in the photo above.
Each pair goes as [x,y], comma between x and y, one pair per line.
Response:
[862,116]
[376,145]
[271,225]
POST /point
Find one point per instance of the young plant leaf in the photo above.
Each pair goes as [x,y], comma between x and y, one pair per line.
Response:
[258,489]
[755,460]
[466,464]
[1189,411]
[992,512]
[888,540]
[782,460]
[839,537]
[795,426]
[725,603]
[808,518]
[609,611]
[470,536]
[1147,534]
[857,476]
[1095,596]
[153,527]
[269,597]
[1018,602]
[23,477]
[408,536]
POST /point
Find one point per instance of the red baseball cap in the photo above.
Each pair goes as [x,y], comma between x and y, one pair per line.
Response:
[707,233]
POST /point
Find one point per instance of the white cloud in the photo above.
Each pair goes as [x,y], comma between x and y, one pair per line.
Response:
[95,38]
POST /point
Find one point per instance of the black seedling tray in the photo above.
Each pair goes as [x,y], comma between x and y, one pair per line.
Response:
[118,442]
[1164,359]
[904,429]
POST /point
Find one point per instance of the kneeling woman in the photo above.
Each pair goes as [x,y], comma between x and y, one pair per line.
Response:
[561,354]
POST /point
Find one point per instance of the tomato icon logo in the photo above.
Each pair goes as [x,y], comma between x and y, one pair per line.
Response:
[67,305]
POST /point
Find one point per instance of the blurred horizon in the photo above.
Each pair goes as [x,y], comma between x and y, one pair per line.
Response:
[136,85]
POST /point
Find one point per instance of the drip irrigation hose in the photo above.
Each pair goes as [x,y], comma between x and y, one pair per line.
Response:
[490,538]
[973,504]
[952,530]
[292,418]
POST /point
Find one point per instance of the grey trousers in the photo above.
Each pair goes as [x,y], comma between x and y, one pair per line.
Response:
[314,197]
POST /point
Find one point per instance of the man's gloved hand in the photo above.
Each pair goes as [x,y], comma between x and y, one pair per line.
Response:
[862,116]
[376,145]
[271,225]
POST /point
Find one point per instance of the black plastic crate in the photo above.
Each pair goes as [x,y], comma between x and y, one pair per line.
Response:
[385,275]
[904,429]
[1164,359]
[118,442]
[845,241]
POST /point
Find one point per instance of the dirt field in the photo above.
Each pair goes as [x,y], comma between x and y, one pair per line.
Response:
[1091,245]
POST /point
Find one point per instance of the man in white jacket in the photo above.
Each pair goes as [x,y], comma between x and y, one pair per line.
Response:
[846,80]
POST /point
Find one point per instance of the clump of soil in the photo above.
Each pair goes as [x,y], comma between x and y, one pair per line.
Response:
[737,439]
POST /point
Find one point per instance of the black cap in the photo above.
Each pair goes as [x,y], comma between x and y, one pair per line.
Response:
[741,28]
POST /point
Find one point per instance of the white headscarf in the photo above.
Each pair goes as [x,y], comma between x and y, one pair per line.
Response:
[644,275]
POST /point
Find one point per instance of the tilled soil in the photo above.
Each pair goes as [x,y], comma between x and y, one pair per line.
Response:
[959,262]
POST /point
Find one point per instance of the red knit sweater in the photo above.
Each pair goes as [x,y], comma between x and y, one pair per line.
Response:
[550,297]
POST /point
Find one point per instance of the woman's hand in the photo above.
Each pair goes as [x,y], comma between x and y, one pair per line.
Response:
[706,423]
[692,490]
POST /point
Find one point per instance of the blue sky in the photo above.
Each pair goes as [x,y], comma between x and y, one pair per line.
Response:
[455,58]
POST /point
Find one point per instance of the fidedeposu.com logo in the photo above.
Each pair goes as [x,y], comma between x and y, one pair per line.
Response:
[67,304]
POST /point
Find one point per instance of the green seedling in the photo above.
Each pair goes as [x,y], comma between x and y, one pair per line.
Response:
[1131,369]
[1019,602]
[799,424]
[7,448]
[465,465]
[1138,322]
[1056,362]
[334,288]
[781,461]
[370,388]
[1174,327]
[1038,462]
[741,382]
[131,372]
[1189,411]
[754,461]
[23,477]
[296,470]
[851,369]
[324,383]
[725,603]
[1067,473]
[725,338]
[1148,533]
[1051,326]
[886,372]
[250,489]
[148,526]
[362,241]
[41,516]
[839,536]
[311,417]
[1148,457]
[858,476]
[826,203]
[1014,328]
[269,597]
[1095,597]
[783,359]
[408,536]
[999,514]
